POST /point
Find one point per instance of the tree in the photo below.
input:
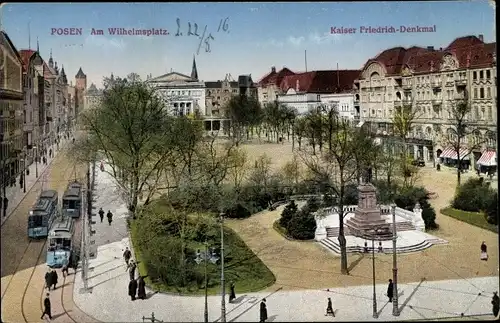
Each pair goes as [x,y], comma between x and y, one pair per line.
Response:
[461,129]
[292,171]
[239,159]
[334,169]
[132,130]
[302,226]
[403,120]
[314,129]
[299,129]
[243,111]
[288,213]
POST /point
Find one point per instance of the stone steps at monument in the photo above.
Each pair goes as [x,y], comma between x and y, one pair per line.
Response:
[400,226]
[334,246]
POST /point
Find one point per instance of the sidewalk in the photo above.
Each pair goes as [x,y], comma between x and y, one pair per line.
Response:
[15,194]
[109,300]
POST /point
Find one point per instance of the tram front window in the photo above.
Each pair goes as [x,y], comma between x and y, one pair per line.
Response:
[35,221]
[66,243]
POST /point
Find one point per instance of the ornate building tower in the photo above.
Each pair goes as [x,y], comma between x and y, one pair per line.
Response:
[194,70]
[80,88]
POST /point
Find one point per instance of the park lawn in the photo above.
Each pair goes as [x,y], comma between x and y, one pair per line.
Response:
[241,265]
[475,218]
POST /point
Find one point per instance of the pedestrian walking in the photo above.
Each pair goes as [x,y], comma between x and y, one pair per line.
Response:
[132,289]
[131,269]
[495,301]
[55,277]
[329,308]
[5,205]
[380,249]
[44,159]
[263,310]
[484,251]
[232,294]
[46,307]
[65,267]
[50,153]
[48,279]
[141,288]
[110,217]
[127,254]
[101,214]
[365,248]
[390,291]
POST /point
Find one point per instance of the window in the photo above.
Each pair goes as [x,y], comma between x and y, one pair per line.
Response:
[481,75]
[488,93]
[488,74]
[474,75]
[481,93]
[475,92]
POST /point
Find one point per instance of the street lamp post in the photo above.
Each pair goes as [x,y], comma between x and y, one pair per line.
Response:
[222,279]
[395,308]
[24,172]
[36,161]
[375,312]
[205,257]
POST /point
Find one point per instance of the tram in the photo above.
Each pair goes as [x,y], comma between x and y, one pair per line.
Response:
[40,218]
[72,200]
[60,242]
[51,195]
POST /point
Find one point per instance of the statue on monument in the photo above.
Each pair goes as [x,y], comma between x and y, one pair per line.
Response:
[367,175]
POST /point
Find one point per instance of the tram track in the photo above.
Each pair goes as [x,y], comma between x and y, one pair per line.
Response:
[32,256]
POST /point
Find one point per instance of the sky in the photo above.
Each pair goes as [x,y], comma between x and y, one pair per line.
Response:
[257,35]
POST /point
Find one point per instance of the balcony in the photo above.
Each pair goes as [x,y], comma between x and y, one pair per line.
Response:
[407,85]
[436,84]
[461,82]
[28,127]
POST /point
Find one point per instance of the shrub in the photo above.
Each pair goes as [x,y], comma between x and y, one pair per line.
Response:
[313,205]
[407,198]
[351,194]
[302,226]
[474,218]
[238,212]
[385,192]
[491,209]
[473,195]
[288,213]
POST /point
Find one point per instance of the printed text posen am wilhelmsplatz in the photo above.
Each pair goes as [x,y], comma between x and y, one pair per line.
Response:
[382,30]
[131,32]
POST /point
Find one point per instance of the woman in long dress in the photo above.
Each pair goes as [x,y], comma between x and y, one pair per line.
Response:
[484,251]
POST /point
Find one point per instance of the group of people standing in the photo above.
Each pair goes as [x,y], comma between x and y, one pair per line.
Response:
[136,287]
[51,278]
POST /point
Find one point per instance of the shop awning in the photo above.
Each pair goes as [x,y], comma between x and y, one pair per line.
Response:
[452,154]
[488,158]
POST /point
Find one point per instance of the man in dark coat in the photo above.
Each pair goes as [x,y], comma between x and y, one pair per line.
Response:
[390,290]
[101,214]
[141,290]
[496,303]
[110,217]
[132,289]
[48,279]
[127,254]
[329,308]
[263,310]
[131,267]
[65,267]
[232,294]
[54,278]
[46,307]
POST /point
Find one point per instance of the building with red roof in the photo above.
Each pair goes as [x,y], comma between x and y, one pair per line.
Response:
[431,80]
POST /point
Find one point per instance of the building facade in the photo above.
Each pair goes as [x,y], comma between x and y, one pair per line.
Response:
[80,88]
[183,95]
[93,97]
[33,96]
[11,112]
[431,80]
[344,104]
[310,90]
[268,88]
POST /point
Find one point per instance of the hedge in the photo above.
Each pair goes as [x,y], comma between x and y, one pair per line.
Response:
[474,218]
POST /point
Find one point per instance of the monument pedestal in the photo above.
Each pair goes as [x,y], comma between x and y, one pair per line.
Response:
[367,220]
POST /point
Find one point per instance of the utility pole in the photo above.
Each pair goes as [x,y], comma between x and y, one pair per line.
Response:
[86,234]
[395,308]
[222,279]
[375,312]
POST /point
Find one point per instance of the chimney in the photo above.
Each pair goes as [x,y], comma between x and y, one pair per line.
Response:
[431,48]
[273,69]
[481,38]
